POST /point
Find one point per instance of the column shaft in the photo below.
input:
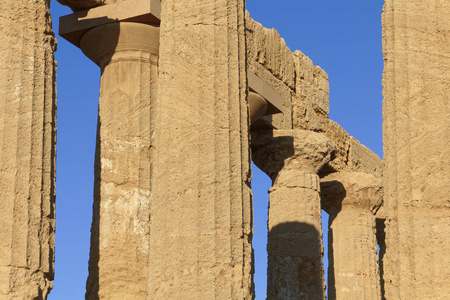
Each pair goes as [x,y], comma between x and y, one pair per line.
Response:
[292,158]
[295,247]
[118,266]
[27,150]
[416,138]
[201,200]
[354,272]
[351,199]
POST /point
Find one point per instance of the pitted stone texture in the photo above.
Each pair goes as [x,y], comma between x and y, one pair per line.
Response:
[271,60]
[312,89]
[295,247]
[305,91]
[292,159]
[277,151]
[351,199]
[200,241]
[355,189]
[27,150]
[267,48]
[416,110]
[118,265]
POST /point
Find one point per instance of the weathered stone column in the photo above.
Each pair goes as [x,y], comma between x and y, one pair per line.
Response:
[292,158]
[127,54]
[200,242]
[27,150]
[351,199]
[416,135]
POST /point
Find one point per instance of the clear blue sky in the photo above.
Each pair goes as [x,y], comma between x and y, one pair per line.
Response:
[343,37]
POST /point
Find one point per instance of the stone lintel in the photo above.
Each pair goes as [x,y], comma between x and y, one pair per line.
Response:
[72,27]
[356,189]
[362,159]
[273,98]
[351,155]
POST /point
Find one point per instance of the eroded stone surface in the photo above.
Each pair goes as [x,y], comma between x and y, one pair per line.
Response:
[305,91]
[292,158]
[27,150]
[128,56]
[416,111]
[200,241]
[352,199]
[275,151]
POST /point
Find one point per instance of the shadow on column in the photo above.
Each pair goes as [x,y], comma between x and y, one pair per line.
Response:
[294,262]
[380,231]
[332,195]
[92,283]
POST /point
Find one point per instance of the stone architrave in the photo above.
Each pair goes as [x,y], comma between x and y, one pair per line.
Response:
[292,158]
[27,150]
[351,199]
[416,113]
[127,54]
[201,222]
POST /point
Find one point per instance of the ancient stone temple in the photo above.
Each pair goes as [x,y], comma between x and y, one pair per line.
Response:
[180,119]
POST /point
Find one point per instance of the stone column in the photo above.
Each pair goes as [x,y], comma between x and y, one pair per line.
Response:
[27,150]
[200,242]
[352,199]
[416,135]
[292,158]
[127,54]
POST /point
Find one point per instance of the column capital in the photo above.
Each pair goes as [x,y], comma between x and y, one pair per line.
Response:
[120,40]
[290,150]
[257,106]
[355,189]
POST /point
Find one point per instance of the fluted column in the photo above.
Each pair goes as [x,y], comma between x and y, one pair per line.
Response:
[416,136]
[292,158]
[200,243]
[27,150]
[127,54]
[352,199]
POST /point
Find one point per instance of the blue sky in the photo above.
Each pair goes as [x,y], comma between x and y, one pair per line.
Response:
[343,37]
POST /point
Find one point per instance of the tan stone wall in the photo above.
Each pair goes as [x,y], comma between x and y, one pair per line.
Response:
[200,233]
[27,150]
[416,108]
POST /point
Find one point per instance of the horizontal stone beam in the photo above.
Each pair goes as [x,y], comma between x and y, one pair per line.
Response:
[72,27]
[273,98]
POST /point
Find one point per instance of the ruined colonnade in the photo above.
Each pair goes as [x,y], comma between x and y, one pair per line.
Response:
[179,120]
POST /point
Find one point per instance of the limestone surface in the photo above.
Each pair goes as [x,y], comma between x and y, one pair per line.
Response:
[128,56]
[27,150]
[352,199]
[416,110]
[201,222]
[292,158]
[304,89]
